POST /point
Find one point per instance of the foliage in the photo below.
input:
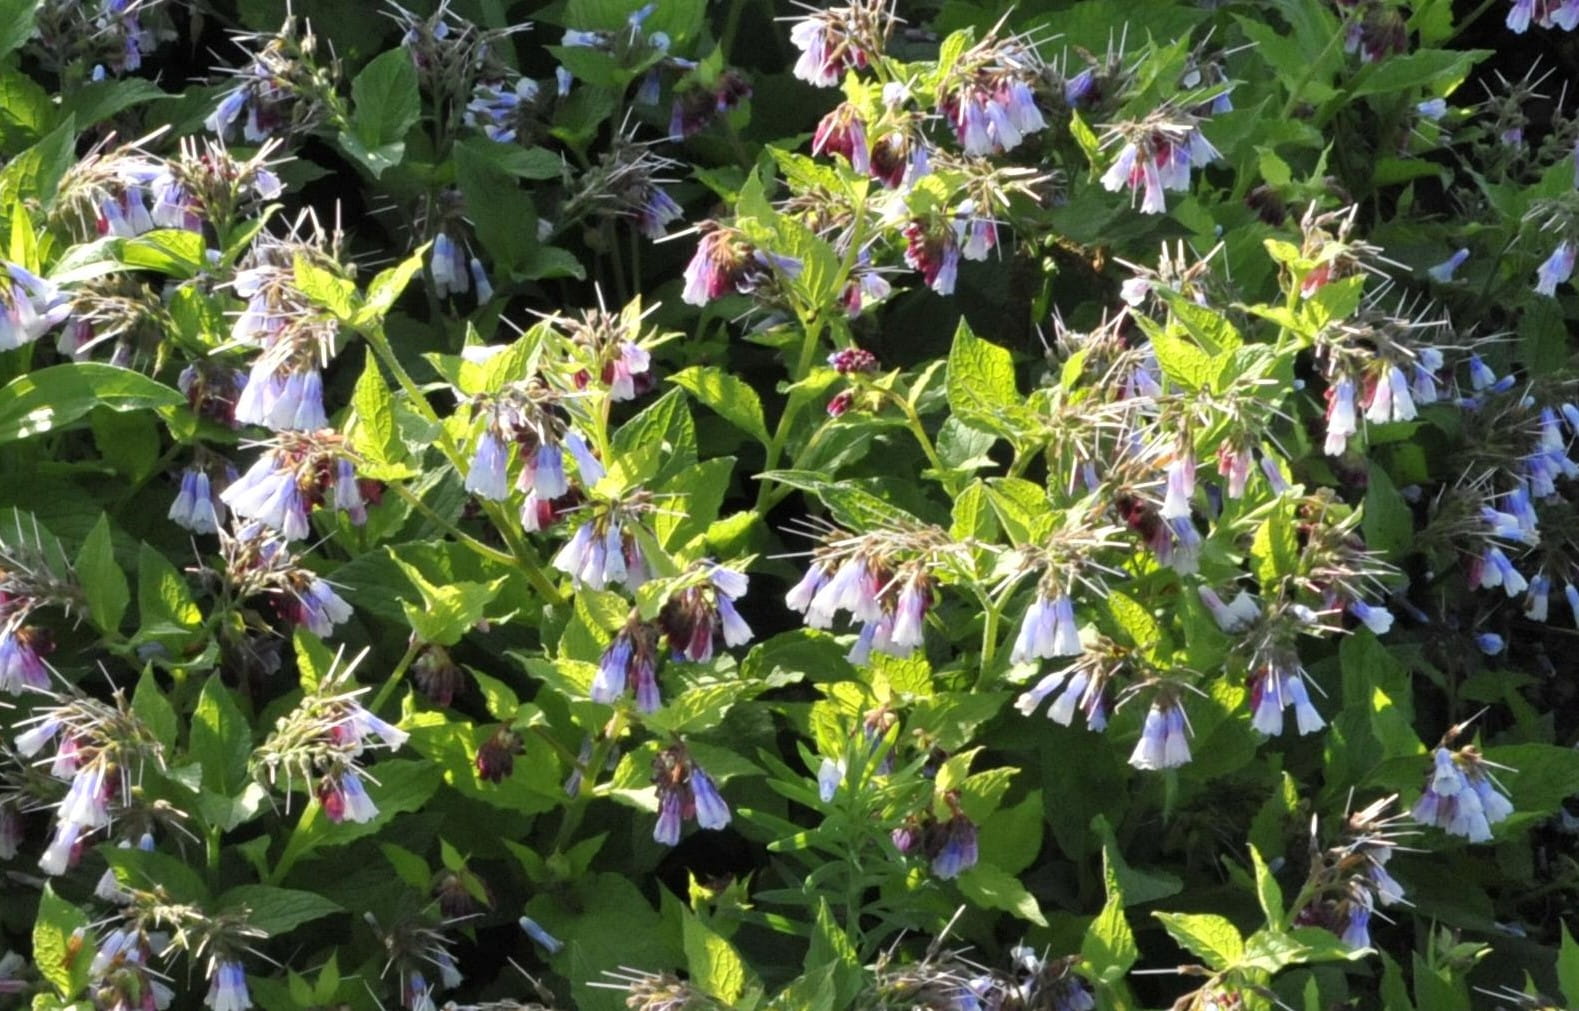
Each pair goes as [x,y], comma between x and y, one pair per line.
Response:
[923,506]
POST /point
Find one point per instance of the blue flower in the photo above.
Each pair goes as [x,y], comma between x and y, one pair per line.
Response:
[1559,266]
[955,847]
[227,989]
[711,810]
[486,478]
[197,507]
[533,930]
[1443,272]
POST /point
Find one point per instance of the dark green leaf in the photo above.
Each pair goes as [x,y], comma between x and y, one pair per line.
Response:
[54,397]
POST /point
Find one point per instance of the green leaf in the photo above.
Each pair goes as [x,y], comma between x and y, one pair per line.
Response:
[146,870]
[154,710]
[62,943]
[1440,69]
[447,612]
[387,286]
[1268,892]
[1275,550]
[386,103]
[221,738]
[994,888]
[730,397]
[1012,837]
[54,397]
[1185,365]
[103,582]
[171,251]
[395,786]
[1568,967]
[95,101]
[831,945]
[1109,946]
[325,288]
[1211,937]
[36,172]
[505,218]
[164,601]
[277,911]
[980,385]
[372,428]
[714,964]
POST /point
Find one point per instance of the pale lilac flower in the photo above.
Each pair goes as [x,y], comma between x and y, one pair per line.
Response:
[227,989]
[1164,741]
[486,477]
[1443,272]
[1559,266]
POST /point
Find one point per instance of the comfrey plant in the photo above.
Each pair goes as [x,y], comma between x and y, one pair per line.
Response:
[681,506]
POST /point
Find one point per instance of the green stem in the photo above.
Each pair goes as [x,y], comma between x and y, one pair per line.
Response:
[490,553]
[1309,72]
[589,773]
[913,422]
[393,681]
[212,851]
[991,611]
[1475,15]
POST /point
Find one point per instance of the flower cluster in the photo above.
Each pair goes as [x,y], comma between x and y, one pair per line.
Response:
[99,751]
[685,791]
[1349,880]
[322,743]
[1461,795]
[726,262]
[258,563]
[298,472]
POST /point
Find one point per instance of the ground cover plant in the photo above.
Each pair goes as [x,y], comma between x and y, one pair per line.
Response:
[681,506]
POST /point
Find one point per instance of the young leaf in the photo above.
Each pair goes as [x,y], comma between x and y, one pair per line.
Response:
[386,103]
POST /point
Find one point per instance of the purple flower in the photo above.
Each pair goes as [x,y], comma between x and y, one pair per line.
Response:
[655,211]
[535,931]
[829,775]
[269,493]
[227,990]
[1460,796]
[1276,685]
[711,811]
[283,401]
[1378,619]
[955,847]
[58,856]
[667,829]
[1048,630]
[1537,604]
[1230,617]
[486,478]
[1341,421]
[1164,740]
[587,465]
[631,660]
[450,276]
[1490,643]
[1558,268]
[1443,272]
[21,663]
[29,308]
[547,472]
[1519,14]
[197,506]
[318,608]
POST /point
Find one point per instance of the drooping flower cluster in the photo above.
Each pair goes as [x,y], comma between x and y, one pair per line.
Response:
[1157,154]
[726,262]
[525,420]
[1164,736]
[685,791]
[258,563]
[320,746]
[835,39]
[1349,880]
[1461,796]
[1380,366]
[695,617]
[298,472]
[279,90]
[947,979]
[883,578]
[949,844]
[988,97]
[100,750]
